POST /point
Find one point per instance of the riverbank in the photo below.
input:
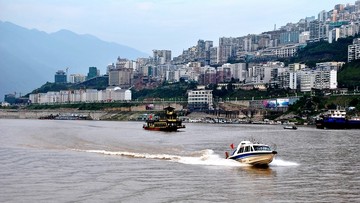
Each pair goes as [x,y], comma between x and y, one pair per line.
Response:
[113,115]
[36,114]
[194,117]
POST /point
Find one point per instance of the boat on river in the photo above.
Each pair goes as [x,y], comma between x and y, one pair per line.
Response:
[252,153]
[290,127]
[170,123]
[66,117]
[337,119]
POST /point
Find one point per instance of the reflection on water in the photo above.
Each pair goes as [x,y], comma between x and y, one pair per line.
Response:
[258,171]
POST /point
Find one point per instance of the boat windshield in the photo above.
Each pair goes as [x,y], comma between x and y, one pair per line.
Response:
[262,148]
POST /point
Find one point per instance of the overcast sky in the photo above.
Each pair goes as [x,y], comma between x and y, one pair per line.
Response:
[161,24]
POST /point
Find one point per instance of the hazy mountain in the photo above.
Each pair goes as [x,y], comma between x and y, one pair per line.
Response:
[29,58]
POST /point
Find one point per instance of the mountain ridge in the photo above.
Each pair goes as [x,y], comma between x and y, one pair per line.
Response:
[30,57]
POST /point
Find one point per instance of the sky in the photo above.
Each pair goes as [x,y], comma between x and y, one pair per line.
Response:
[173,25]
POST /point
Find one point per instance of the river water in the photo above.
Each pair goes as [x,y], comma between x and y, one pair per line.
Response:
[97,161]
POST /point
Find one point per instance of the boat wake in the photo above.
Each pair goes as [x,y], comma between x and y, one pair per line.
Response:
[205,157]
[279,162]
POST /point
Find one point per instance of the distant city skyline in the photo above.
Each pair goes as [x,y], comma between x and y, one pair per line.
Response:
[158,24]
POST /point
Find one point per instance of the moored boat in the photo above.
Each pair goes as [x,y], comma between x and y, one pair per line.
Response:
[170,123]
[353,123]
[66,117]
[252,153]
[337,119]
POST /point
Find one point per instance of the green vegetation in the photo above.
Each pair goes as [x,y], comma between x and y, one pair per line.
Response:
[312,105]
[349,75]
[166,91]
[230,93]
[99,83]
[322,51]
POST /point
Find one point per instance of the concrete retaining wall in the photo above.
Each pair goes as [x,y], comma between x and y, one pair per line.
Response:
[96,115]
[35,114]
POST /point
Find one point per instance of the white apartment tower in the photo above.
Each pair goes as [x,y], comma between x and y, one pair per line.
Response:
[318,79]
[354,50]
[307,81]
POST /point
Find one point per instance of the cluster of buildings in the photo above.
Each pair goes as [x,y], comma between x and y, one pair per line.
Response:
[341,22]
[87,95]
[228,62]
[61,76]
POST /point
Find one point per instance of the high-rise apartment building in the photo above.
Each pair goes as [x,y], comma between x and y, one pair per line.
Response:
[60,77]
[325,79]
[307,81]
[296,67]
[161,56]
[93,72]
[304,37]
[207,76]
[329,66]
[77,78]
[323,16]
[291,37]
[287,80]
[228,47]
[238,71]
[318,79]
[214,56]
[354,50]
[121,75]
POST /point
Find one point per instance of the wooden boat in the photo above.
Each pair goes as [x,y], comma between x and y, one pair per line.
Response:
[170,123]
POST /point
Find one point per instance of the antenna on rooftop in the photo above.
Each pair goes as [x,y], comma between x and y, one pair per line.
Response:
[274,27]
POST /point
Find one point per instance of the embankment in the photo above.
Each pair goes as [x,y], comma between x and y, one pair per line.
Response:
[35,114]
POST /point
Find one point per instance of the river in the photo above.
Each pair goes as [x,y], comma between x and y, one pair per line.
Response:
[107,161]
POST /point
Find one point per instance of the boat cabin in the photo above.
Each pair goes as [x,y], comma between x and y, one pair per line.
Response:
[247,146]
[335,113]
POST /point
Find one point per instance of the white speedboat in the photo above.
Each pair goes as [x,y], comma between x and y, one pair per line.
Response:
[290,127]
[252,153]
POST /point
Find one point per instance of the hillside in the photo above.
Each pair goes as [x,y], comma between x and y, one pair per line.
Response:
[349,75]
[99,83]
[30,58]
[322,51]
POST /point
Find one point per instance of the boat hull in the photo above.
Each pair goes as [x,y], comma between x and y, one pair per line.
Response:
[353,124]
[255,158]
[290,128]
[337,124]
[168,123]
[168,129]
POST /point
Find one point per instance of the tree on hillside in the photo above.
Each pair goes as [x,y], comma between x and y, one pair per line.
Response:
[322,51]
[349,75]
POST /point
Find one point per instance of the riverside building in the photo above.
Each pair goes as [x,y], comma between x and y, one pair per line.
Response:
[88,95]
[200,100]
